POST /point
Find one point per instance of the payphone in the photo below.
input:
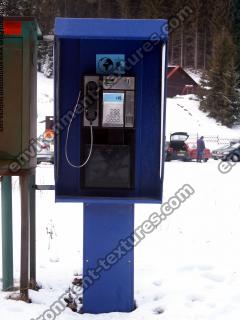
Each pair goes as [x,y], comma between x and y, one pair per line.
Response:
[115,95]
[114,151]
[108,131]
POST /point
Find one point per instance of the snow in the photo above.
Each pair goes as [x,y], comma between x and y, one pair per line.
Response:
[196,75]
[187,269]
[183,115]
[45,100]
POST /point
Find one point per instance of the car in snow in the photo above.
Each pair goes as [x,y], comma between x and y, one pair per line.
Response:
[218,154]
[178,149]
[232,153]
[193,152]
[168,151]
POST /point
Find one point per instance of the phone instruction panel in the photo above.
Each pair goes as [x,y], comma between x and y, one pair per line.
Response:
[113,106]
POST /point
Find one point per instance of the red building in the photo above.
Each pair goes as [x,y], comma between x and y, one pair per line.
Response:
[179,82]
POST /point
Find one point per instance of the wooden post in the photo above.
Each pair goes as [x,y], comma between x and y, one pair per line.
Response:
[25,219]
[7,233]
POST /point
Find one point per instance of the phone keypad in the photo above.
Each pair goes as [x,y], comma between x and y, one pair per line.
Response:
[113,116]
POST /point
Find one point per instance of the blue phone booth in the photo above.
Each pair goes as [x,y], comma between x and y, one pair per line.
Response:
[110,97]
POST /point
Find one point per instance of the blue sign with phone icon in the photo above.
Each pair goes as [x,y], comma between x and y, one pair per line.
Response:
[110,64]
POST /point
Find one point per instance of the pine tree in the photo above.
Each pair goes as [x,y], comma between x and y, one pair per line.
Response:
[128,8]
[236,29]
[191,44]
[206,34]
[154,9]
[222,100]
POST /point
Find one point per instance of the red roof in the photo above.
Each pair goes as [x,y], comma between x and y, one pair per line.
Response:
[171,71]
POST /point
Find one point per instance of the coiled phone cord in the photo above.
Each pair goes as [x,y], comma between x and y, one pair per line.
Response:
[66,141]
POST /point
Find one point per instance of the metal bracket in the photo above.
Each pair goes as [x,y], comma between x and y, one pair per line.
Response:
[44,187]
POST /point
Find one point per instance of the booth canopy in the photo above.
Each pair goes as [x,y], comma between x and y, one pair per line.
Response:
[112,28]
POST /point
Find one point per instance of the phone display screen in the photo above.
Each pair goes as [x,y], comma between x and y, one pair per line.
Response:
[113,106]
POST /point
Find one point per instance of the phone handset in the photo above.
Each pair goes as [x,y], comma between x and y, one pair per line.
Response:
[91,102]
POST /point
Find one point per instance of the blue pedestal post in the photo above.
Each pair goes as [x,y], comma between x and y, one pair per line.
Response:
[108,264]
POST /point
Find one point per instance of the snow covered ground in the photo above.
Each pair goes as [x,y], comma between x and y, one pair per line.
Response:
[183,114]
[45,100]
[187,269]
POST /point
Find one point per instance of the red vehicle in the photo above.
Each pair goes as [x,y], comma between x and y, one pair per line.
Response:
[192,149]
[178,149]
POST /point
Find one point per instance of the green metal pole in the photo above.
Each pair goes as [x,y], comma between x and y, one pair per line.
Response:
[7,233]
[24,267]
[32,193]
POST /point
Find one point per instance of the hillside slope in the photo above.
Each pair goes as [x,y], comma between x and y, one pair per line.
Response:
[183,114]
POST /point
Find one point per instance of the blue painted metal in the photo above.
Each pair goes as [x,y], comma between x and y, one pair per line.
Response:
[105,200]
[77,46]
[104,226]
[111,28]
[109,213]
